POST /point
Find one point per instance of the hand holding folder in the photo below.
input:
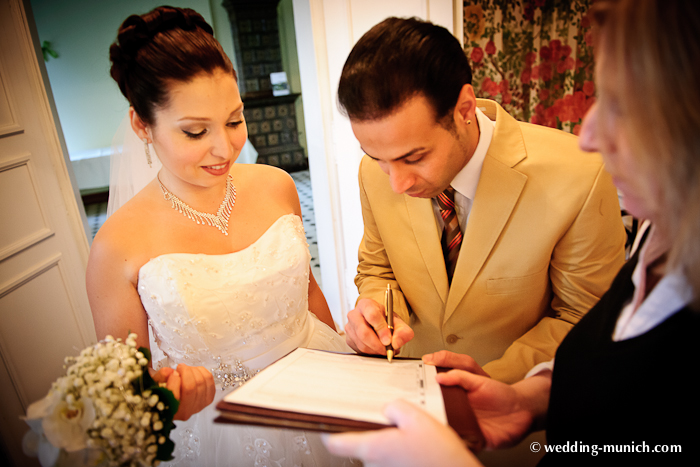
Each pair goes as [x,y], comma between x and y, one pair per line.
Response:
[330,392]
[417,440]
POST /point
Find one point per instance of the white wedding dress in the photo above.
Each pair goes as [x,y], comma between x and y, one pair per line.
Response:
[234,314]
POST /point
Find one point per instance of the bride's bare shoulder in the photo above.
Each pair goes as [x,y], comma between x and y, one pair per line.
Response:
[128,232]
[272,180]
[258,171]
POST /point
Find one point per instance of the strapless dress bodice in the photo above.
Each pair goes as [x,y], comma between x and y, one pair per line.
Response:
[245,308]
[235,314]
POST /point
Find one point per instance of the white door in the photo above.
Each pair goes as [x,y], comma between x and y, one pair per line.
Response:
[44,312]
[326,31]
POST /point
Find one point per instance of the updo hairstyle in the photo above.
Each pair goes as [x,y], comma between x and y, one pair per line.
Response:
[160,47]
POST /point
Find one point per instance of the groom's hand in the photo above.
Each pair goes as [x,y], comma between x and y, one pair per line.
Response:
[367,331]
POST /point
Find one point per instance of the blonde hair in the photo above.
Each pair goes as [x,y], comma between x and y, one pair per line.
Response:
[652,57]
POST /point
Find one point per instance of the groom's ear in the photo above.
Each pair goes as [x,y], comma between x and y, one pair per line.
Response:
[138,125]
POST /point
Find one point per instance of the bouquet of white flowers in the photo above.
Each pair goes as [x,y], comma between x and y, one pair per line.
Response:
[106,410]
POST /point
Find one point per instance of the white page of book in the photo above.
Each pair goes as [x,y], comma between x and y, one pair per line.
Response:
[341,385]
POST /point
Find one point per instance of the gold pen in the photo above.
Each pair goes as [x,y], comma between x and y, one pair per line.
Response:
[389,310]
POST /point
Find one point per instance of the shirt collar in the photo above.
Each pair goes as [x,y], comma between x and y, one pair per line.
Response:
[467,179]
[670,294]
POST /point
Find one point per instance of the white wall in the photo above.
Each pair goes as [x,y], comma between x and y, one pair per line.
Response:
[89,103]
[290,61]
[326,31]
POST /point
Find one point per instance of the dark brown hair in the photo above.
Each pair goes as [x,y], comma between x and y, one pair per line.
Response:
[165,45]
[400,58]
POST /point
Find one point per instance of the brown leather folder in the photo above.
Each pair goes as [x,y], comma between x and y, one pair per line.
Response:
[459,416]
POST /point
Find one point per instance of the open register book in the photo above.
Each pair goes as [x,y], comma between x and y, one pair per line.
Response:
[333,392]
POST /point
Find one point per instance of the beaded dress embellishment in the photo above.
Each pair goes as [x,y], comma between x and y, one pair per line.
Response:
[226,376]
[218,220]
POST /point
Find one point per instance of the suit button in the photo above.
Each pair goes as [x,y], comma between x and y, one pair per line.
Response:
[451,339]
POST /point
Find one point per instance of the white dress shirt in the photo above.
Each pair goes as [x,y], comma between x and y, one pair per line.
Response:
[671,294]
[466,181]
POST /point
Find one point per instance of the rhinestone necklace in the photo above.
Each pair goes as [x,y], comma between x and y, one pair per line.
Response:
[218,220]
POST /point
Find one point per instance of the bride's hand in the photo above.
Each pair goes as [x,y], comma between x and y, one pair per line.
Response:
[193,386]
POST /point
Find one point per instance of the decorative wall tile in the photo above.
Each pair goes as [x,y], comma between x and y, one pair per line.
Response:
[256,113]
[272,126]
[252,84]
[260,141]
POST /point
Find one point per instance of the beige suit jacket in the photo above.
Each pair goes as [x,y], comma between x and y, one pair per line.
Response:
[543,242]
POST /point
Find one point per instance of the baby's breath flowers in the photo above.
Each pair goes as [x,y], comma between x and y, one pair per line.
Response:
[106,410]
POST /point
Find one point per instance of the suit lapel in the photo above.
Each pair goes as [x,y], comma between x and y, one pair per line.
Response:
[422,217]
[497,194]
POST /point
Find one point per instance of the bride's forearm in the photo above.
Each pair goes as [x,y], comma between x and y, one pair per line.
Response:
[318,304]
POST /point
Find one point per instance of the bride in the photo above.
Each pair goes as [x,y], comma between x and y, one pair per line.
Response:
[210,256]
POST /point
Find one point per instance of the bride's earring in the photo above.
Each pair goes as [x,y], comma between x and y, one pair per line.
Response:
[148,152]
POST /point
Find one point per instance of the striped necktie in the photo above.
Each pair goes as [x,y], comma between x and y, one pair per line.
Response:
[451,235]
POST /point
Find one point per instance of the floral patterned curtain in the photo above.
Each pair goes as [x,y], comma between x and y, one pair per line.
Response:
[534,57]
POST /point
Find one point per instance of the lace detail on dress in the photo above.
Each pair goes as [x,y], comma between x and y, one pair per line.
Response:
[235,314]
[187,445]
[261,451]
[302,444]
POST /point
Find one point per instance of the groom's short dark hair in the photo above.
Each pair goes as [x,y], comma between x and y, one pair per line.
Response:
[400,58]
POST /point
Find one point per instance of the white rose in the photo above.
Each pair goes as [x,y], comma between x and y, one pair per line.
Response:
[66,427]
[41,408]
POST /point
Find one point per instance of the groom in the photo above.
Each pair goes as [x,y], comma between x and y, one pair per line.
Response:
[497,236]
